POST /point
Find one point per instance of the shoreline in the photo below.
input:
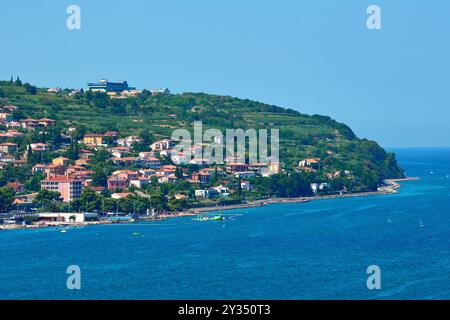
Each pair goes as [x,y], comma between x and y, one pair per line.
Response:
[391,187]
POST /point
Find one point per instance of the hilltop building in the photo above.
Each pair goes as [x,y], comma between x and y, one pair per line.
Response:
[109,86]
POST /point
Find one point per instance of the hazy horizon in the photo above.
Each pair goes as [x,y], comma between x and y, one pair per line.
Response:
[388,85]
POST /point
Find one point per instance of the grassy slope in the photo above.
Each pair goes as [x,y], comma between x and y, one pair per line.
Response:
[301,135]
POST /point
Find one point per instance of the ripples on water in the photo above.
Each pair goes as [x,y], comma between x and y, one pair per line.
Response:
[319,249]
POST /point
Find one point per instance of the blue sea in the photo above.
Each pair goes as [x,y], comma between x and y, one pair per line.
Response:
[314,250]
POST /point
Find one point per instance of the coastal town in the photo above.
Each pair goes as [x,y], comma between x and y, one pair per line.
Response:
[74,176]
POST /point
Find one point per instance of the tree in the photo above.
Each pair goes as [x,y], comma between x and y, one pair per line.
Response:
[179,173]
[117,107]
[47,200]
[147,137]
[18,114]
[100,100]
[18,82]
[239,188]
[74,150]
[30,89]
[99,178]
[6,198]
[88,201]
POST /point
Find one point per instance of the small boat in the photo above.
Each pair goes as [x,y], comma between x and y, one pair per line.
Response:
[213,218]
[63,231]
[136,234]
[389,220]
[218,218]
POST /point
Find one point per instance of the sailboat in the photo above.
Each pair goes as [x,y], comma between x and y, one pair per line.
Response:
[421,224]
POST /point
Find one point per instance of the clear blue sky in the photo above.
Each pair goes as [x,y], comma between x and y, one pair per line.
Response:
[390,85]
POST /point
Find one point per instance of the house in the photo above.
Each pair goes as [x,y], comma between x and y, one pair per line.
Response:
[160,91]
[166,170]
[10,108]
[3,165]
[85,154]
[54,90]
[67,217]
[311,162]
[160,145]
[146,154]
[274,168]
[93,139]
[11,134]
[166,153]
[26,197]
[29,123]
[13,125]
[146,173]
[118,152]
[5,117]
[97,189]
[127,174]
[116,182]
[19,163]
[201,177]
[131,93]
[139,182]
[39,147]
[7,158]
[75,168]
[17,186]
[120,195]
[68,188]
[125,162]
[245,174]
[129,141]
[38,168]
[223,191]
[236,167]
[171,178]
[150,163]
[24,203]
[8,147]
[74,92]
[180,196]
[200,161]
[60,161]
[14,134]
[179,158]
[213,171]
[54,170]
[111,134]
[246,185]
[206,193]
[82,162]
[46,122]
[316,187]
[258,168]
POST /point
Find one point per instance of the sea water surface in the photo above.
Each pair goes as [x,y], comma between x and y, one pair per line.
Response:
[315,250]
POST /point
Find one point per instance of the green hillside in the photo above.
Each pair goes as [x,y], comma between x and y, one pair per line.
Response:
[301,136]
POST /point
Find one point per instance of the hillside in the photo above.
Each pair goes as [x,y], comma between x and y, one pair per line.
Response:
[301,136]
